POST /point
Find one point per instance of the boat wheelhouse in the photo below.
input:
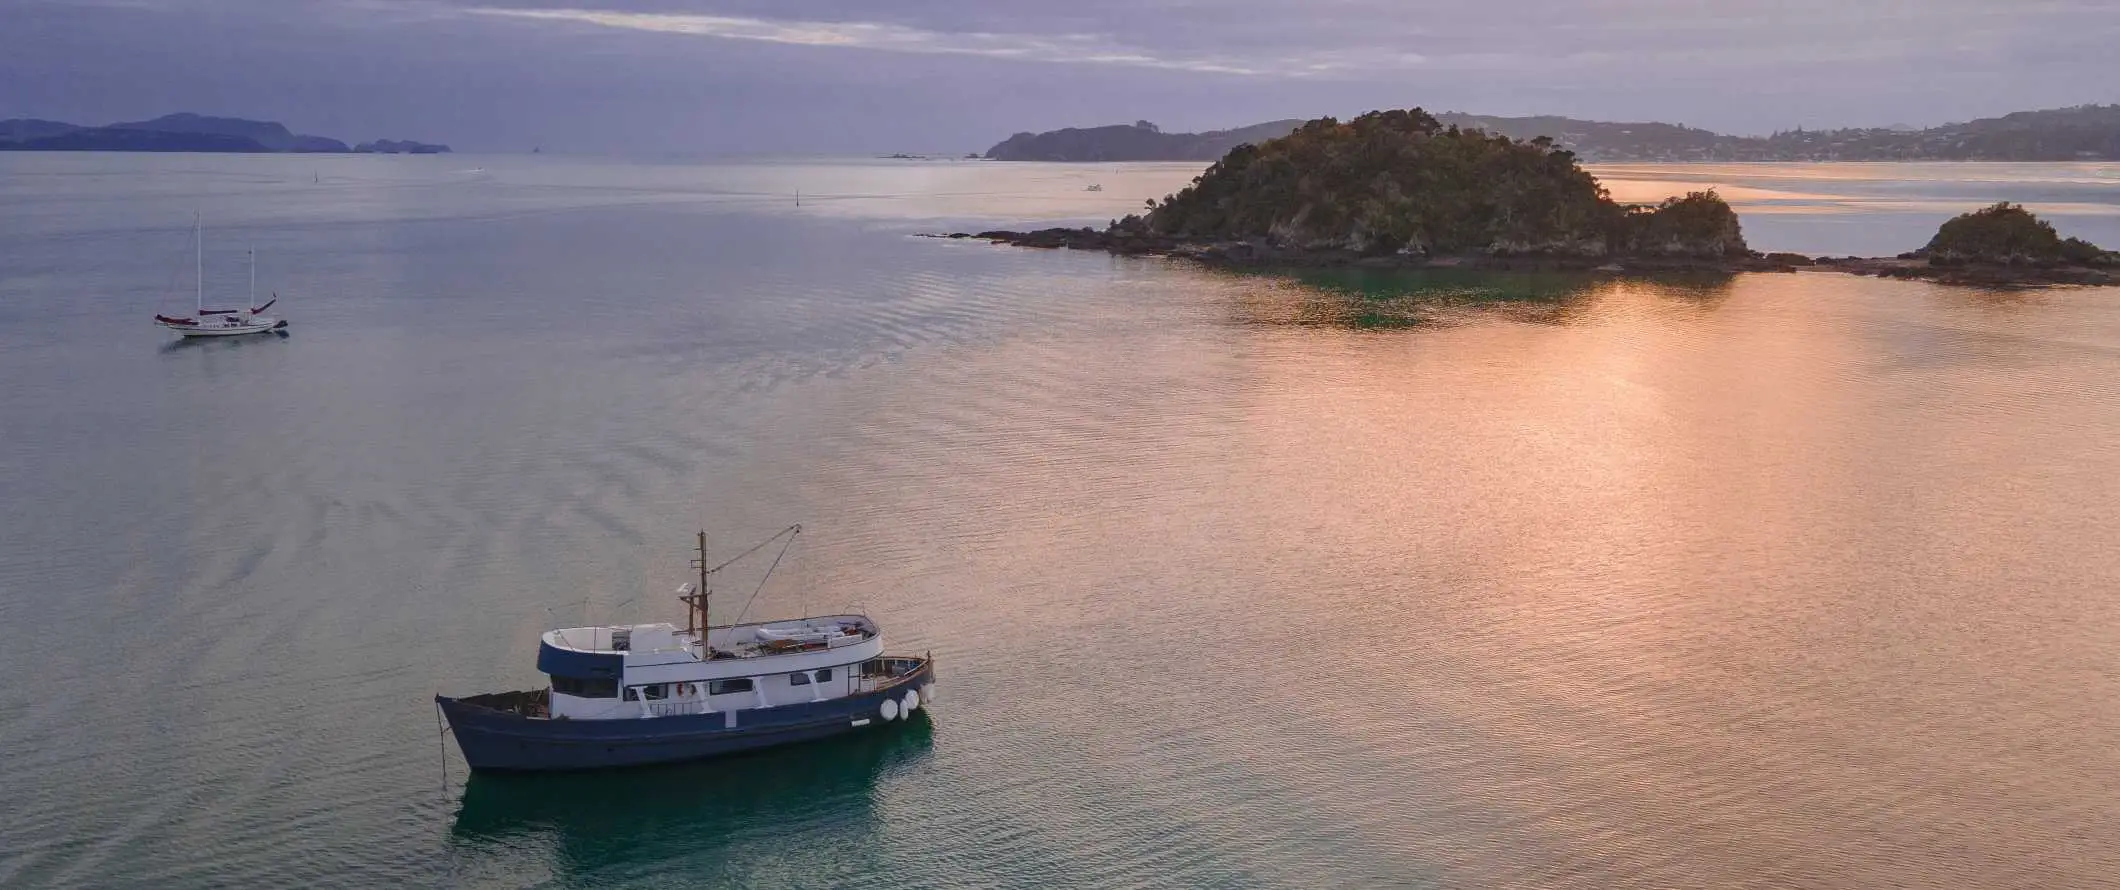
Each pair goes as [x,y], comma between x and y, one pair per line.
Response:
[622,695]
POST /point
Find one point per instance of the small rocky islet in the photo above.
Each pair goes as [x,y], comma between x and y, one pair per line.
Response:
[1399,190]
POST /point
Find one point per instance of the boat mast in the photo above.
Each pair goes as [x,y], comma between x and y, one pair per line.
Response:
[696,601]
[198,258]
[253,278]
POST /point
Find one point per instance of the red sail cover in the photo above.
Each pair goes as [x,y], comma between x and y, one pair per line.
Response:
[167,320]
[219,311]
[268,305]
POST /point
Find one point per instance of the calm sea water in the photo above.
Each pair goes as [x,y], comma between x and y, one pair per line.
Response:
[1785,580]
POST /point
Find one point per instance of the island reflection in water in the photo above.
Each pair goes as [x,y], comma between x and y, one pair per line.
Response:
[716,815]
[1370,298]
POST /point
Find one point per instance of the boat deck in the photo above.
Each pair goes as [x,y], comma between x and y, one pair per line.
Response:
[534,703]
[876,675]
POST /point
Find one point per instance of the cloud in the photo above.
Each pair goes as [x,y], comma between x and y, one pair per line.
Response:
[1085,49]
[859,76]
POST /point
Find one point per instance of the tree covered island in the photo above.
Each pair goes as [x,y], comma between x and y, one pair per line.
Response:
[1398,189]
[1999,245]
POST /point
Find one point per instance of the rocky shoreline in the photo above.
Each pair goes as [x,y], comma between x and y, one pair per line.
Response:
[1264,254]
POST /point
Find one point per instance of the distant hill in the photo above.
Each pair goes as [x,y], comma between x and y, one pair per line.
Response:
[1599,140]
[2085,132]
[107,139]
[392,147]
[183,132]
[32,128]
[1142,141]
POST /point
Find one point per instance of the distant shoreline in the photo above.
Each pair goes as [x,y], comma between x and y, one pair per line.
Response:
[185,132]
[2082,134]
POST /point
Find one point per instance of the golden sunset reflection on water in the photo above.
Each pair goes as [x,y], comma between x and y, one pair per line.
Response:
[1738,584]
[1318,578]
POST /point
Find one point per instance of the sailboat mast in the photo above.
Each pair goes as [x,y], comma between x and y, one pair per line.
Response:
[253,278]
[198,259]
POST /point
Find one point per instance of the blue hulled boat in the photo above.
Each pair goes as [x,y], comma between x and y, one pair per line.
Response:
[625,695]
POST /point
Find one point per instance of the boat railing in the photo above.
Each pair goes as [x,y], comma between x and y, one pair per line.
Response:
[676,708]
[528,703]
[889,672]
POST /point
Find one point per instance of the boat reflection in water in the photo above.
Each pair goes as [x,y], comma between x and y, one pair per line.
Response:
[727,815]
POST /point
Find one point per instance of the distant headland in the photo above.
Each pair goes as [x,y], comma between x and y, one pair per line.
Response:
[188,132]
[2081,133]
[1401,190]
[1142,141]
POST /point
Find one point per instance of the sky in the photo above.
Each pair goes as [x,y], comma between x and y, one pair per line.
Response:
[716,77]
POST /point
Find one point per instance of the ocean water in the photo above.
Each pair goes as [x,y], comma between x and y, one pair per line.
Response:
[1770,581]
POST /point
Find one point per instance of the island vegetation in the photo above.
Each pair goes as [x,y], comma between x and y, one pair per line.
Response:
[1399,182]
[188,132]
[2008,234]
[2084,132]
[1401,189]
[2000,245]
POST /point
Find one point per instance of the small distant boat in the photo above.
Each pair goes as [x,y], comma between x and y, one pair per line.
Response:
[625,695]
[222,322]
[1094,187]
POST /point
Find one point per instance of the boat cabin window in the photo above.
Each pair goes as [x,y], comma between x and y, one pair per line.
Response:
[653,692]
[824,675]
[724,687]
[585,688]
[799,678]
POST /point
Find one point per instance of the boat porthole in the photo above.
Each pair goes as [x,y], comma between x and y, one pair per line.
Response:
[889,710]
[912,702]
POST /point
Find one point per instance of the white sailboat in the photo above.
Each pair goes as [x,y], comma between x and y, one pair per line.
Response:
[222,322]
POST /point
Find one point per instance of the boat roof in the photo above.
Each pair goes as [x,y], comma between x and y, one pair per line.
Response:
[748,639]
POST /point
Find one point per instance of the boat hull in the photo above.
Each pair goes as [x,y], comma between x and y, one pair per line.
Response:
[495,740]
[267,327]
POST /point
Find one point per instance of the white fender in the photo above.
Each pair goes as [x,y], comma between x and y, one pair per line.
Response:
[929,698]
[912,702]
[889,710]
